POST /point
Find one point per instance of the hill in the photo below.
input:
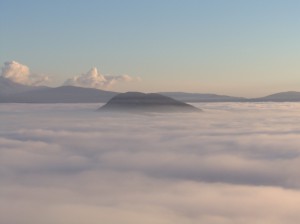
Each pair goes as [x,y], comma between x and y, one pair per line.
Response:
[141,102]
[290,96]
[202,97]
[63,94]
[11,92]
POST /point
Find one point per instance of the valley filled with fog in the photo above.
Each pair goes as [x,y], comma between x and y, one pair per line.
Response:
[71,164]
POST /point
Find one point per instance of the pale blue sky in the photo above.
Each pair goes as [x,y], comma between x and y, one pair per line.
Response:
[236,47]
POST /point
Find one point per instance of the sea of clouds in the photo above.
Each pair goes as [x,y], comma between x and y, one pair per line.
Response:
[69,164]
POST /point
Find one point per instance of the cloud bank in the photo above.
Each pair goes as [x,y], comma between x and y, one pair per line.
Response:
[20,73]
[94,79]
[233,163]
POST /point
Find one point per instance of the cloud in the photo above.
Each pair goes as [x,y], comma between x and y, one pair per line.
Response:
[94,79]
[233,163]
[20,73]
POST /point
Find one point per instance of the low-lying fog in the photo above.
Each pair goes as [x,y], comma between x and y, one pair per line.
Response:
[68,164]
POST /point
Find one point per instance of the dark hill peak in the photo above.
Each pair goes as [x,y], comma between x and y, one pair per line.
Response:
[142,102]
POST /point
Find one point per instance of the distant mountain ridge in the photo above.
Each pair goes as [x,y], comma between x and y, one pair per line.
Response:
[11,92]
[8,87]
[290,96]
[202,97]
[64,94]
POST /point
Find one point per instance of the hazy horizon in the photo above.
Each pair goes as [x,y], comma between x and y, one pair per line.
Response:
[21,74]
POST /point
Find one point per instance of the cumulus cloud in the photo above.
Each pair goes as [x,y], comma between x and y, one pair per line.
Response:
[20,73]
[233,163]
[94,79]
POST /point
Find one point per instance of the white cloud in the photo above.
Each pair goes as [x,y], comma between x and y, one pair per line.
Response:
[233,163]
[94,79]
[20,73]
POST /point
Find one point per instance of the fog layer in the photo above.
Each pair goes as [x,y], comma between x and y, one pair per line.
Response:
[233,163]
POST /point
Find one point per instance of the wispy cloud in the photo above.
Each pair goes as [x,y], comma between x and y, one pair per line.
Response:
[150,169]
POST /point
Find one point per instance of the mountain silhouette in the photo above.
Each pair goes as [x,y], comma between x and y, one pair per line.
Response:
[202,97]
[12,92]
[290,96]
[141,102]
[64,94]
[9,87]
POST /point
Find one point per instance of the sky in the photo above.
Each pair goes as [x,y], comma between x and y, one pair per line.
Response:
[241,48]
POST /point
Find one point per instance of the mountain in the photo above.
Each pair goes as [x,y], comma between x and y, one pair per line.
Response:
[12,92]
[63,94]
[202,97]
[8,87]
[290,96]
[141,102]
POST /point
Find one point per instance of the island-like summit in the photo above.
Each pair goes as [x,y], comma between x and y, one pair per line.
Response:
[142,102]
